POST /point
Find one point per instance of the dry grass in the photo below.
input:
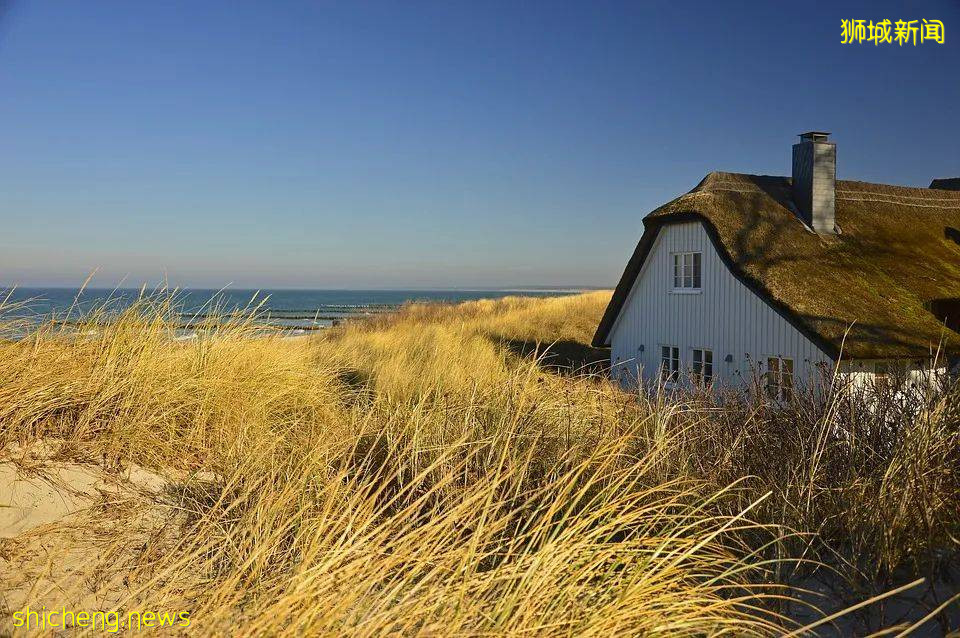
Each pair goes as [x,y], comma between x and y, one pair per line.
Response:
[418,474]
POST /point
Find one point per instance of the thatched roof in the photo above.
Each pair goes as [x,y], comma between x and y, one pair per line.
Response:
[897,251]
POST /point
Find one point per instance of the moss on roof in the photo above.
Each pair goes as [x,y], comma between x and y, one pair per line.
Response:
[865,289]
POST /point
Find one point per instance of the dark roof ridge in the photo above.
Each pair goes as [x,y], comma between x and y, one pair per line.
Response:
[708,184]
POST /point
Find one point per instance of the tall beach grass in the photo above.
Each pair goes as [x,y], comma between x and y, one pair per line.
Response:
[435,472]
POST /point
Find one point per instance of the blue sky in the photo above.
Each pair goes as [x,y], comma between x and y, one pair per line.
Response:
[426,144]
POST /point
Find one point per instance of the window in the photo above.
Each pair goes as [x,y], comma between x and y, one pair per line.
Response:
[881,377]
[780,378]
[702,366]
[686,271]
[669,364]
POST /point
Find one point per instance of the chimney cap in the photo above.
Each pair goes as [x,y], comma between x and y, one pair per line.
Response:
[814,136]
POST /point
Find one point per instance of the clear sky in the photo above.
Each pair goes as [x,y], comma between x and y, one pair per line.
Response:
[426,144]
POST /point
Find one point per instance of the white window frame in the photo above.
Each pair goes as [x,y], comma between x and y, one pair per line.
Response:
[687,272]
[774,385]
[698,376]
[669,365]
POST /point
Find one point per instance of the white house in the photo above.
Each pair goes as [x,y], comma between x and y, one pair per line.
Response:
[780,280]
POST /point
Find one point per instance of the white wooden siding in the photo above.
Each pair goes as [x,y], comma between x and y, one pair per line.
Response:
[916,373]
[725,317]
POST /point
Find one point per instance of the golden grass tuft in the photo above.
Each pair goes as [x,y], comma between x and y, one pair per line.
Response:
[420,474]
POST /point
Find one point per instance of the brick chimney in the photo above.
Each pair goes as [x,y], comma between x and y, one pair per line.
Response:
[814,180]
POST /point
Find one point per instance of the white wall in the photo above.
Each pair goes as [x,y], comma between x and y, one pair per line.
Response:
[911,373]
[725,317]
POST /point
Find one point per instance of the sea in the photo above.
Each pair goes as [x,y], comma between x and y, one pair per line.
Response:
[296,311]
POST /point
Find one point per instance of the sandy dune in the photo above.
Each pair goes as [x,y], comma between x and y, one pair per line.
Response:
[46,492]
[69,531]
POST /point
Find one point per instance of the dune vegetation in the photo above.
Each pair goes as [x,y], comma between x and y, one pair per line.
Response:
[461,470]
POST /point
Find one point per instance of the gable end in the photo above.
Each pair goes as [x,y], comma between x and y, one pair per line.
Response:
[652,228]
